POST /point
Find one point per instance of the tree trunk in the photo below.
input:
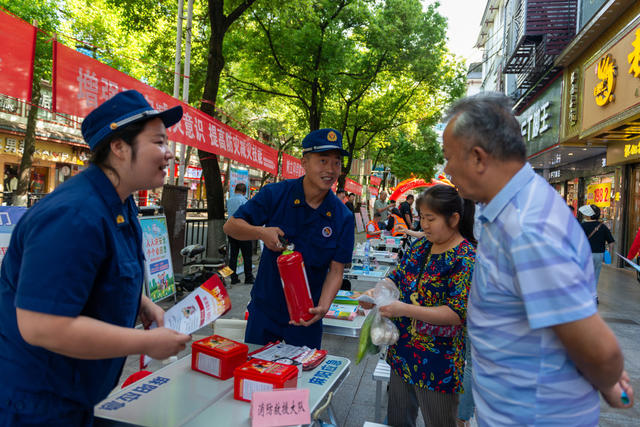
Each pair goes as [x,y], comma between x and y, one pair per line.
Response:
[21,196]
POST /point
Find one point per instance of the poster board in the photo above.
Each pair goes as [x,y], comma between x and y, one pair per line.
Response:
[365,214]
[9,217]
[159,280]
[359,224]
[236,176]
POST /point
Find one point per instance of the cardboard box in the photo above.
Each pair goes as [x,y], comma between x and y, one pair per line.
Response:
[262,375]
[218,356]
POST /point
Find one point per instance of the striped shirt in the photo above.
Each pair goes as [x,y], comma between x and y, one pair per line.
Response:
[533,271]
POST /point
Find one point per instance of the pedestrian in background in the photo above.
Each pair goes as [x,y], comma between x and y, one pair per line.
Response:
[342,195]
[350,202]
[71,280]
[540,350]
[427,362]
[599,237]
[382,207]
[239,246]
[405,211]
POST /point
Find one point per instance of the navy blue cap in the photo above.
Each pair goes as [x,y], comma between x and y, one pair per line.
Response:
[323,140]
[123,109]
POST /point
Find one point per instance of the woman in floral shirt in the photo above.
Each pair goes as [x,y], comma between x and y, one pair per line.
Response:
[427,362]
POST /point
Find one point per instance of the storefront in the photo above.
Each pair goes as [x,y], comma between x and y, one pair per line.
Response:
[53,163]
[602,111]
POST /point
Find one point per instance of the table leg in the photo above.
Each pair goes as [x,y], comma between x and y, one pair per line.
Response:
[378,400]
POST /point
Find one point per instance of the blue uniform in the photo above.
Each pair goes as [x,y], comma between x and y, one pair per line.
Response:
[321,235]
[77,252]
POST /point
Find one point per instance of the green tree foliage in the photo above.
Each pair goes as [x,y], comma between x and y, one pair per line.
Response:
[364,67]
[415,155]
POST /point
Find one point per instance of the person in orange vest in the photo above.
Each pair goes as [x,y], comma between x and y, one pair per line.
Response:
[395,223]
[373,229]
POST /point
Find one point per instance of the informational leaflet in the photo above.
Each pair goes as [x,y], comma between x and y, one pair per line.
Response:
[199,308]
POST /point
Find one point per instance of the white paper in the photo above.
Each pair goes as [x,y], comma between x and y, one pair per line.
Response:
[279,351]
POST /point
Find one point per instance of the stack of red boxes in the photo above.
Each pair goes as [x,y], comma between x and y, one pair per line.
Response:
[262,375]
[218,356]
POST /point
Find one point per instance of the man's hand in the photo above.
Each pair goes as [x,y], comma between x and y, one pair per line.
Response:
[613,395]
[270,237]
[163,342]
[150,312]
[318,313]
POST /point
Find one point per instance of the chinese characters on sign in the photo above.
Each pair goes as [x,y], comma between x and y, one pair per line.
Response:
[134,394]
[634,57]
[536,123]
[159,278]
[280,408]
[599,194]
[573,98]
[326,370]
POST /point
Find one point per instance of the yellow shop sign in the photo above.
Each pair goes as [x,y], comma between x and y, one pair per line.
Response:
[599,194]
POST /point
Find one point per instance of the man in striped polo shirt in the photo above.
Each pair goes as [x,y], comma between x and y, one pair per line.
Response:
[540,350]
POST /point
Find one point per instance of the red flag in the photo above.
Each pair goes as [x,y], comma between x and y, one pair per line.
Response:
[18,41]
[291,167]
[81,83]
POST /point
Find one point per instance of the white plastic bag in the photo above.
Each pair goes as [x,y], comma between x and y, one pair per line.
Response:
[383,331]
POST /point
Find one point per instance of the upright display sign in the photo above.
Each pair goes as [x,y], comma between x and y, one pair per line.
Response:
[9,217]
[158,269]
[236,176]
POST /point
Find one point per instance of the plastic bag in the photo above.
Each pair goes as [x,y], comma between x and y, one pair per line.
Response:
[607,257]
[383,331]
[365,345]
[377,330]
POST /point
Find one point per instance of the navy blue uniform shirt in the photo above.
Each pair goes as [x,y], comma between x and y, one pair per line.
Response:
[321,235]
[77,252]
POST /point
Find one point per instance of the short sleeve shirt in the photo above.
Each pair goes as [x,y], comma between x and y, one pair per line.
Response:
[77,252]
[321,235]
[405,209]
[379,204]
[426,355]
[533,270]
[600,238]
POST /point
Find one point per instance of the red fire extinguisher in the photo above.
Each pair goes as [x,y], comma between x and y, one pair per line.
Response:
[295,284]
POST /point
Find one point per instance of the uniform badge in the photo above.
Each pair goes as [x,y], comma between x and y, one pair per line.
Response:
[296,202]
[329,214]
[119,219]
[331,136]
[327,231]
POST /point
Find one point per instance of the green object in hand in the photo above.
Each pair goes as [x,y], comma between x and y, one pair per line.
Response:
[365,345]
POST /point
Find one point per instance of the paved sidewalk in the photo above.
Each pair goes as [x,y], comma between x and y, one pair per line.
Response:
[354,403]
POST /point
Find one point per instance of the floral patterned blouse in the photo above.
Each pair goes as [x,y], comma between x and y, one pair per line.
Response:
[427,355]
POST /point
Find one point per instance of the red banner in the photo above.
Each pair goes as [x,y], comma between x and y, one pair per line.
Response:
[373,191]
[81,83]
[291,167]
[375,180]
[350,186]
[18,41]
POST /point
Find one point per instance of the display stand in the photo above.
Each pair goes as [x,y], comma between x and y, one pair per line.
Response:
[159,279]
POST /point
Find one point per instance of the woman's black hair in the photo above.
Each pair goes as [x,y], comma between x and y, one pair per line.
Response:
[128,134]
[445,200]
[596,212]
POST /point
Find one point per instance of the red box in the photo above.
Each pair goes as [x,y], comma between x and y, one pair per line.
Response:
[218,356]
[262,375]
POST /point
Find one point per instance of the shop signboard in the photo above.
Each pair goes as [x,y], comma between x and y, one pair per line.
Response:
[540,123]
[599,194]
[623,152]
[237,176]
[612,83]
[158,269]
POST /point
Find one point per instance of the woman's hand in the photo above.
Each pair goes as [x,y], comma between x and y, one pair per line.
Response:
[395,309]
[150,312]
